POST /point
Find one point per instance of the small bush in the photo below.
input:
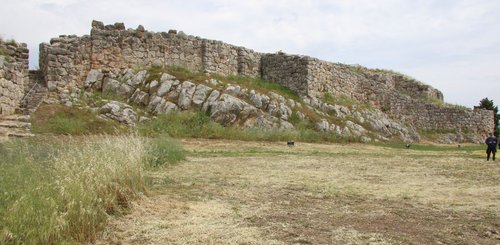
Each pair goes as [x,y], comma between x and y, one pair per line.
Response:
[3,52]
[163,150]
[154,73]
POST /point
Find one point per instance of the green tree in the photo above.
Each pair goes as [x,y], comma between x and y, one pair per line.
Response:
[490,105]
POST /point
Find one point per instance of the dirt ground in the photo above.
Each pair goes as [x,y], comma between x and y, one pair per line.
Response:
[232,192]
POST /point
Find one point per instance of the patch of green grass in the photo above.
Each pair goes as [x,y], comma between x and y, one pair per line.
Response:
[422,147]
[262,86]
[259,85]
[344,101]
[58,119]
[3,52]
[98,99]
[154,73]
[455,106]
[184,74]
[199,125]
[435,134]
[364,70]
[163,150]
[6,55]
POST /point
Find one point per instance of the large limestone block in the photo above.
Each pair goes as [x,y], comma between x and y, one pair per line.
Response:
[165,86]
[200,94]
[120,112]
[186,95]
[210,100]
[94,79]
[259,100]
[153,103]
[323,125]
[140,98]
[233,90]
[138,79]
[165,107]
[110,86]
[228,109]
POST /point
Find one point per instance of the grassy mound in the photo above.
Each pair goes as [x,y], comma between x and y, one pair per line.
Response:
[59,119]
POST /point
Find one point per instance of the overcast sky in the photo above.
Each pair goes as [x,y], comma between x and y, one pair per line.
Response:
[452,45]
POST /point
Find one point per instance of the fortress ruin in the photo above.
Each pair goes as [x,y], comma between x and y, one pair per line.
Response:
[66,61]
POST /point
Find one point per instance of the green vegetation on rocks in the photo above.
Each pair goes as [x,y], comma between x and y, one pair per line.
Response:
[58,119]
[199,125]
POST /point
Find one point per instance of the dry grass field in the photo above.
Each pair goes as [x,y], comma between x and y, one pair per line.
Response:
[233,192]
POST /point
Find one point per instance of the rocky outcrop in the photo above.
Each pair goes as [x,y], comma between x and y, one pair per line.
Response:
[118,111]
[234,105]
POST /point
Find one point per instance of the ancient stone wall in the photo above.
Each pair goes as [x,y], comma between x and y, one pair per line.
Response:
[434,117]
[65,63]
[416,89]
[115,48]
[67,59]
[111,48]
[13,75]
[288,70]
[398,96]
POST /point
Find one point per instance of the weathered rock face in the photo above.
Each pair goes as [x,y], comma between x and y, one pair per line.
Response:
[228,109]
[13,76]
[233,105]
[120,112]
[111,49]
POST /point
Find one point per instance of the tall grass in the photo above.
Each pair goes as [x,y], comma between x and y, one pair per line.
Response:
[63,190]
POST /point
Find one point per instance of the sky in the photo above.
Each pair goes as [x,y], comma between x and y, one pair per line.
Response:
[452,45]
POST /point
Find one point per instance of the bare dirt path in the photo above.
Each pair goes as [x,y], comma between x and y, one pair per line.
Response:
[230,192]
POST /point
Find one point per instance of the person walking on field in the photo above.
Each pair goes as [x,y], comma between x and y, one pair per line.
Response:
[491,143]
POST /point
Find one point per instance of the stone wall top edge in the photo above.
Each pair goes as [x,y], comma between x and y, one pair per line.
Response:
[101,28]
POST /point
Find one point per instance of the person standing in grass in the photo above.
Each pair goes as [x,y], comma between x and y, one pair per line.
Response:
[491,143]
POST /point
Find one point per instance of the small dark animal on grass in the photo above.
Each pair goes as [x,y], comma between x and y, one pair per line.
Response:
[408,146]
[290,143]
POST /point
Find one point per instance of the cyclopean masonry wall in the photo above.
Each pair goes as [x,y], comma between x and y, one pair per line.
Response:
[13,75]
[400,97]
[65,63]
[67,60]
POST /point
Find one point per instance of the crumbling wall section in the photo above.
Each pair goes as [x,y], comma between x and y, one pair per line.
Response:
[13,75]
[430,116]
[65,63]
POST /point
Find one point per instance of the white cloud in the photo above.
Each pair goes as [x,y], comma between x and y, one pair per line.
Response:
[451,44]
